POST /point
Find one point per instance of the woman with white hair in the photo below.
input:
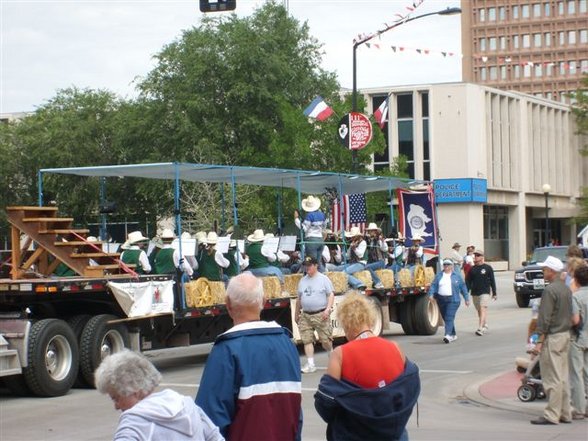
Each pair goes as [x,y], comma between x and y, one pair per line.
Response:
[130,380]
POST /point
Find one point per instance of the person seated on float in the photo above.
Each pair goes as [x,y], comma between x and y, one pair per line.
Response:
[377,251]
[259,257]
[157,246]
[396,251]
[332,256]
[279,258]
[212,263]
[238,261]
[415,254]
[168,259]
[134,252]
[356,257]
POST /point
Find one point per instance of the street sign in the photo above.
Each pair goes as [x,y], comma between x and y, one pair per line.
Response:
[355,131]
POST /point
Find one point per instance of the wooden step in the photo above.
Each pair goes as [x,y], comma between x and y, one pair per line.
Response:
[108,267]
[78,243]
[30,208]
[48,219]
[65,231]
[93,255]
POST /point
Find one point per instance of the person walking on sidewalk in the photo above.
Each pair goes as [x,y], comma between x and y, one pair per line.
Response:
[481,284]
[553,328]
[445,289]
[313,311]
[579,345]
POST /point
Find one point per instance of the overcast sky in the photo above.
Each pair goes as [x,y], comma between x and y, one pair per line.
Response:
[46,45]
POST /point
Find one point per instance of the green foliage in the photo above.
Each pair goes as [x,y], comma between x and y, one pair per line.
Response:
[580,110]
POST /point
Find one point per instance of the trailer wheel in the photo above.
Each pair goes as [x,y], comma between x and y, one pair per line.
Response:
[100,339]
[425,315]
[405,317]
[378,322]
[77,324]
[52,358]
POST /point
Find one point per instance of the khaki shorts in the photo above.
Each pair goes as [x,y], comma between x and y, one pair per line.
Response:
[314,322]
[481,301]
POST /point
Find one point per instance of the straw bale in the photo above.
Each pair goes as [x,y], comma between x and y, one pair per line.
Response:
[405,278]
[218,292]
[419,275]
[429,275]
[199,293]
[339,280]
[365,277]
[272,288]
[291,282]
[387,277]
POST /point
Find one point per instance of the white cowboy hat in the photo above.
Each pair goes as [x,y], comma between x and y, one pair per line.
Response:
[92,239]
[211,238]
[157,242]
[135,237]
[257,236]
[167,234]
[311,203]
[372,226]
[269,235]
[415,238]
[200,236]
[355,231]
[186,235]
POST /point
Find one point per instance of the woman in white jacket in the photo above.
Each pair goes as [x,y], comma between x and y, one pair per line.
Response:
[130,380]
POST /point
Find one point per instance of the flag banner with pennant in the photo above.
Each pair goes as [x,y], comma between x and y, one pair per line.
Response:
[417,217]
[318,109]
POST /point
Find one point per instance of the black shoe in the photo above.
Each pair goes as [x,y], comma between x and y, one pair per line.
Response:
[543,421]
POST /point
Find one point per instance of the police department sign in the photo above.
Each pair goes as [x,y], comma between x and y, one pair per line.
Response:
[460,190]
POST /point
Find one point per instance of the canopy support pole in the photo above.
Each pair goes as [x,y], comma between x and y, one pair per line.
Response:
[179,233]
[40,187]
[301,232]
[235,218]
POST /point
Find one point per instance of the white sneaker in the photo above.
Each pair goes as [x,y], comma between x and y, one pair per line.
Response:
[480,331]
[453,338]
[379,285]
[485,328]
[447,339]
[308,369]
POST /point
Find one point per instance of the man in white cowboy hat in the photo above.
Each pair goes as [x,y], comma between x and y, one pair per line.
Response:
[313,225]
[168,258]
[212,263]
[259,257]
[332,256]
[135,253]
[396,256]
[415,254]
[356,257]
[377,253]
[238,261]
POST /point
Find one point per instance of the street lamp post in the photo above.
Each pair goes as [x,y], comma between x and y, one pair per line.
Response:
[356,44]
[546,189]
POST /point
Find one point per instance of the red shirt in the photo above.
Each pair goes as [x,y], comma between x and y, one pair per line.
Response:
[371,362]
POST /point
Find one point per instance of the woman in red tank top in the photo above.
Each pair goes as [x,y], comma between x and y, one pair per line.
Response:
[366,360]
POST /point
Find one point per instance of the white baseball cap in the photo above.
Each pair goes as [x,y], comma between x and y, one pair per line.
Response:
[552,263]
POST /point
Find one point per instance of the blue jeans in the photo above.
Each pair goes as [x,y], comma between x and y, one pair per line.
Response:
[372,267]
[351,268]
[268,271]
[448,309]
[313,246]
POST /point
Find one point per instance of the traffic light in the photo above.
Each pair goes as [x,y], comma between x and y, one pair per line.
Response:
[217,5]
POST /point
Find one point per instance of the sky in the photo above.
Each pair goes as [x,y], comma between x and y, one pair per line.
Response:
[47,45]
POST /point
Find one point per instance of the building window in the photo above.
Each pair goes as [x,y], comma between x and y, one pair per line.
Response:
[562,38]
[571,37]
[482,15]
[502,13]
[571,6]
[502,43]
[584,66]
[527,71]
[492,43]
[515,12]
[495,223]
[515,41]
[517,71]
[549,95]
[538,70]
[482,74]
[537,40]
[426,145]
[560,8]
[525,11]
[482,45]
[537,10]
[526,40]
[503,72]
[572,66]
[549,69]
[562,68]
[547,39]
[491,14]
[547,9]
[492,73]
[405,113]
[583,35]
[582,6]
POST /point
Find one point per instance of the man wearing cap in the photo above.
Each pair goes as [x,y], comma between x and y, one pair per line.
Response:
[313,310]
[482,285]
[313,225]
[553,329]
[135,253]
[456,257]
[445,289]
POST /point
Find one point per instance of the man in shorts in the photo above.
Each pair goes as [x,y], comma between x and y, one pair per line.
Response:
[313,310]
[482,286]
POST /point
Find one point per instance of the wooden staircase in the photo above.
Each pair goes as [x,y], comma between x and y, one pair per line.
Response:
[56,241]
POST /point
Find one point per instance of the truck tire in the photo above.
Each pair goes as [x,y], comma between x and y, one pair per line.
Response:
[425,315]
[522,300]
[77,324]
[17,385]
[100,339]
[52,358]
[379,321]
[405,317]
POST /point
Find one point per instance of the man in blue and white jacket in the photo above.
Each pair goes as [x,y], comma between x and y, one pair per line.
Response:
[251,385]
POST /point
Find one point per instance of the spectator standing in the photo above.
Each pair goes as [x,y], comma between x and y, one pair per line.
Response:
[445,289]
[579,345]
[251,384]
[313,311]
[130,380]
[482,285]
[312,226]
[553,327]
[468,259]
[361,399]
[456,257]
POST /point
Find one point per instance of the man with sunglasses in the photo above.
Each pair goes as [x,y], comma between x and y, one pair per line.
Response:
[482,286]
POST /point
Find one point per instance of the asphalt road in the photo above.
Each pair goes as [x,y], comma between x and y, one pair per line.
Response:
[444,411]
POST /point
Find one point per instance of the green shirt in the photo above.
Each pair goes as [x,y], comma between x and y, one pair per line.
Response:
[131,257]
[256,259]
[207,267]
[164,261]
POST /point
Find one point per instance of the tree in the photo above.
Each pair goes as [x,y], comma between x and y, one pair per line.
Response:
[580,110]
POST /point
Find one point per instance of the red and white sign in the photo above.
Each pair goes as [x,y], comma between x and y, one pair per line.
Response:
[355,130]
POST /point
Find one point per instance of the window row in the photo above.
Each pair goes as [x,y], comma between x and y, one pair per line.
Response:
[532,70]
[535,40]
[535,10]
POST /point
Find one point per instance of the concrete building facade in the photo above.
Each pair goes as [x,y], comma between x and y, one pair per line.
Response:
[539,47]
[513,141]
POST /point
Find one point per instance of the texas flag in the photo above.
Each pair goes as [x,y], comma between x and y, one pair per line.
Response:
[381,114]
[318,109]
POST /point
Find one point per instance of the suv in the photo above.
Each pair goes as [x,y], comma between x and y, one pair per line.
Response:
[528,281]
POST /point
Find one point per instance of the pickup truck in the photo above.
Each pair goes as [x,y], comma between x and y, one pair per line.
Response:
[528,281]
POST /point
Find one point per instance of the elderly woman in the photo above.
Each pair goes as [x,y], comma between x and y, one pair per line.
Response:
[359,398]
[445,289]
[130,380]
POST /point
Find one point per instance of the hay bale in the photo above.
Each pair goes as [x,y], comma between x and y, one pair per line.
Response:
[405,278]
[338,279]
[272,288]
[387,277]
[218,292]
[365,277]
[199,293]
[429,275]
[419,275]
[291,282]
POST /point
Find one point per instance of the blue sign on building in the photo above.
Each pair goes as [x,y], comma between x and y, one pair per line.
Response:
[460,190]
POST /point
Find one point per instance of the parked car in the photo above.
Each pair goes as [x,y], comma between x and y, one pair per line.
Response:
[528,281]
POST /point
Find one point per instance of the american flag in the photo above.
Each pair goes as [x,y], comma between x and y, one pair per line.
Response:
[354,212]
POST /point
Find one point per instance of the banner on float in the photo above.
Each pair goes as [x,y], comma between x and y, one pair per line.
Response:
[417,217]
